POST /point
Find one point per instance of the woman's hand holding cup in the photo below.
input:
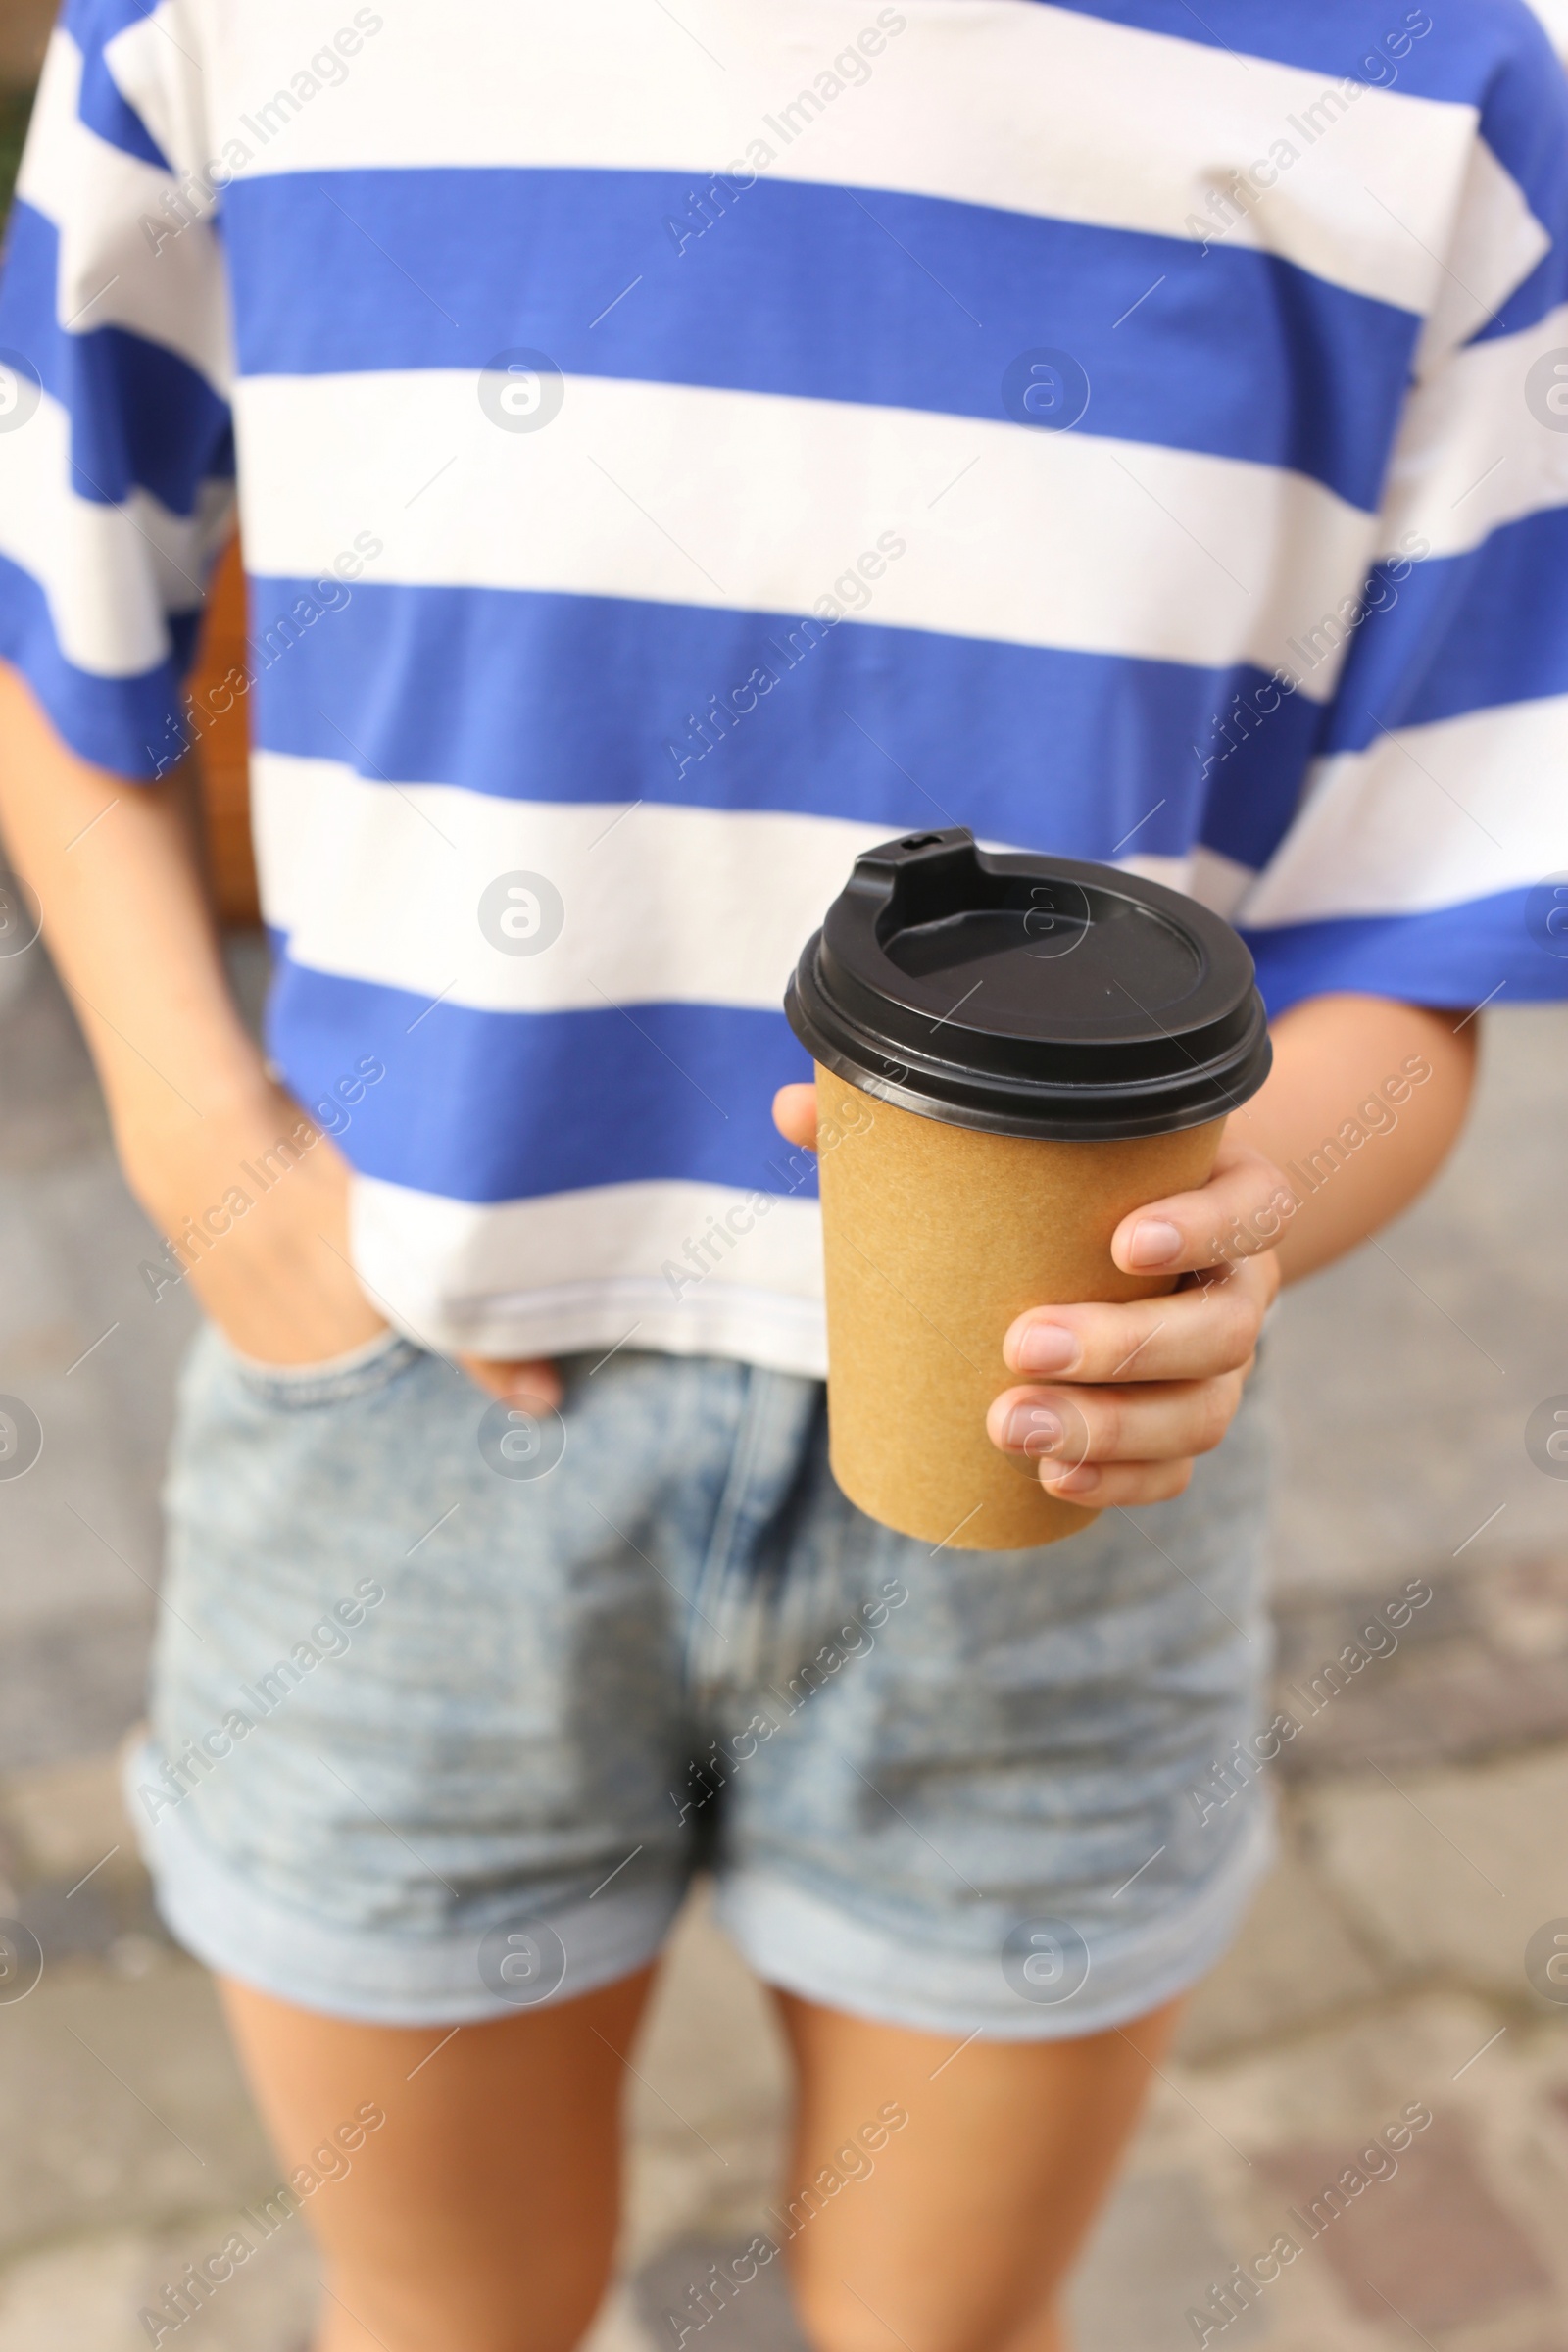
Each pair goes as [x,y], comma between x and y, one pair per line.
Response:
[1119,1400]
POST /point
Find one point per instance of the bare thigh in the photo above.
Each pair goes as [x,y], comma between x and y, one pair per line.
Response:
[936,2200]
[480,2216]
[953,2230]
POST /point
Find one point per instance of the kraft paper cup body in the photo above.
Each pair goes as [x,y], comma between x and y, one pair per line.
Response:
[935,1238]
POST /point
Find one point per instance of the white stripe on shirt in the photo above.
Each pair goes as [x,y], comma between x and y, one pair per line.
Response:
[1050,104]
[1472,454]
[123,259]
[756,502]
[663,905]
[691,1268]
[1429,817]
[1489,246]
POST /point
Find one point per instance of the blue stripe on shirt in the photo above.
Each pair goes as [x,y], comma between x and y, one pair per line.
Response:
[1460,54]
[140,414]
[683,1091]
[1447,956]
[1466,634]
[1530,140]
[92,25]
[502,691]
[125,724]
[803,290]
[1494,56]
[662,1091]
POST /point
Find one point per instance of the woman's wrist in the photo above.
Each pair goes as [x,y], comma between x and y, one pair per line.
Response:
[169,1142]
[1366,1099]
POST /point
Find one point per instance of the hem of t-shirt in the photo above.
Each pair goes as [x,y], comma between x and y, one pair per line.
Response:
[96,714]
[779,1334]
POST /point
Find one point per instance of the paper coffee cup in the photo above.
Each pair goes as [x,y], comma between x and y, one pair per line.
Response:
[1011,1053]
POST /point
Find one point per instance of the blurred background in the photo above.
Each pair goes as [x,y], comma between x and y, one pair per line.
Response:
[1397,1959]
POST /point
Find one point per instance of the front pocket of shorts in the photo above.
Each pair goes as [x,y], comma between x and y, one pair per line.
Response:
[310,1388]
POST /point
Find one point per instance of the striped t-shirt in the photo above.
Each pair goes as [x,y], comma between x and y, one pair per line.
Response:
[677,447]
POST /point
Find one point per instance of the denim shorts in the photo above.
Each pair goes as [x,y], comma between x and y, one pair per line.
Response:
[449,1703]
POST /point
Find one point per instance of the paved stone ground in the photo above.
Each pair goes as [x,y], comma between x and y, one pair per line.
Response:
[1424,1804]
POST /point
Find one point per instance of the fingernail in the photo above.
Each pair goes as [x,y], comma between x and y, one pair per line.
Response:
[1154,1242]
[1034,1429]
[1081,1480]
[1047,1347]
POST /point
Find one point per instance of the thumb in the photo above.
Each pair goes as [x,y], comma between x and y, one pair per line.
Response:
[794,1115]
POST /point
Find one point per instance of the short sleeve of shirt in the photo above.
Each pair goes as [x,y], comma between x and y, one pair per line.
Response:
[1427,857]
[115,444]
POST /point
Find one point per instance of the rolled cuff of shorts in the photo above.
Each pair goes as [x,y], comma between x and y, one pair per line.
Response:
[792,1938]
[373,1976]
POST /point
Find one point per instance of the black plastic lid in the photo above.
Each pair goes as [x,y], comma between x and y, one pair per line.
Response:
[1029,996]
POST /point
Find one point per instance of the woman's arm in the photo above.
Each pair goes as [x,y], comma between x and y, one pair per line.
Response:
[117,872]
[1364,1103]
[118,869]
